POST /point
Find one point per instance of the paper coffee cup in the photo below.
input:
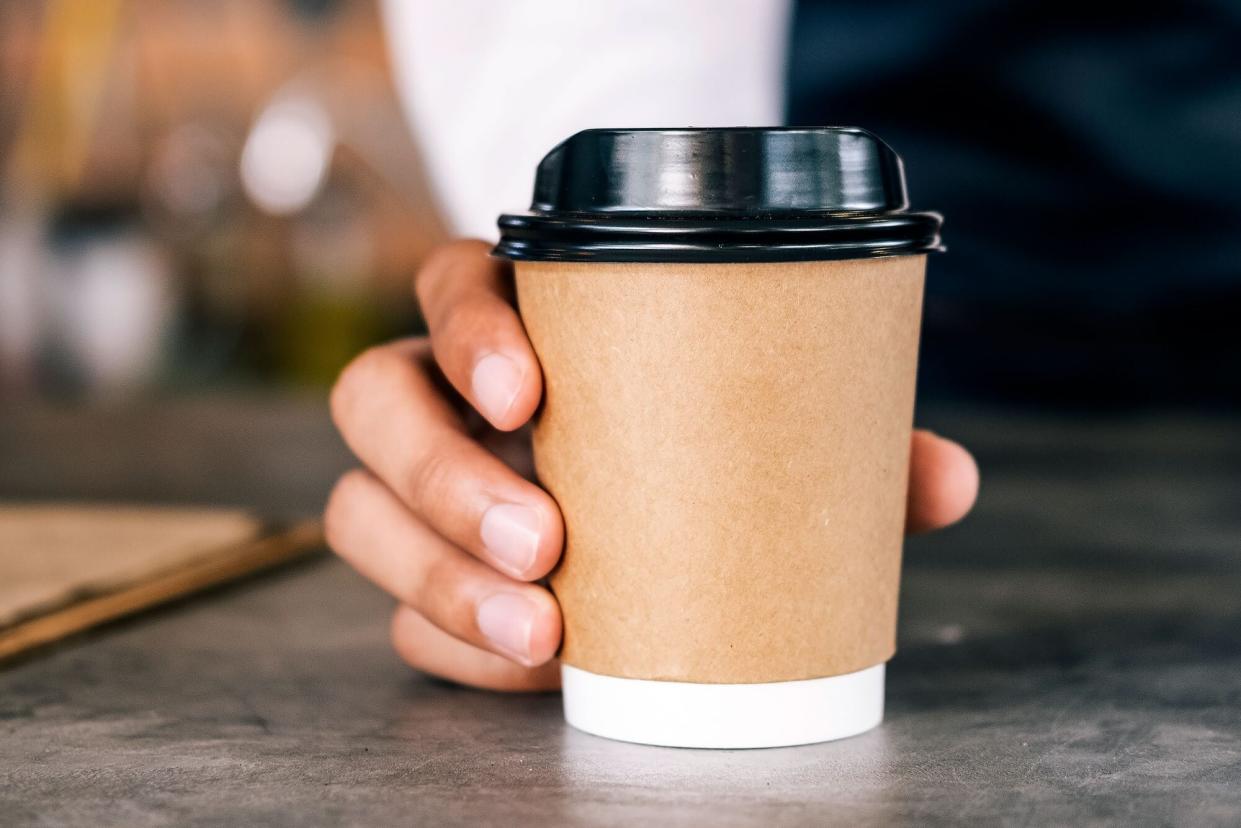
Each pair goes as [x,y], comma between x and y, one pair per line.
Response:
[727,322]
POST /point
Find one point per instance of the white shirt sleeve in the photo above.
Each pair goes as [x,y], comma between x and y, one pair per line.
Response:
[489,87]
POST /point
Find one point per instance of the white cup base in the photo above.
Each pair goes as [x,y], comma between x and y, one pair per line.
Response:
[684,714]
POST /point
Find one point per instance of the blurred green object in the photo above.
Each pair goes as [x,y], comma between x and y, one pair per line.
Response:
[318,332]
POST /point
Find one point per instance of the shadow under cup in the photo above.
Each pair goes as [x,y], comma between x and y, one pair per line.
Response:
[727,322]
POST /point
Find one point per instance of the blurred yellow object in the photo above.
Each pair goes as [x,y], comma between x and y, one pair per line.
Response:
[318,333]
[63,107]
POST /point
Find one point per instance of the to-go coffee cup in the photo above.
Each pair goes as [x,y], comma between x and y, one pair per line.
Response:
[727,322]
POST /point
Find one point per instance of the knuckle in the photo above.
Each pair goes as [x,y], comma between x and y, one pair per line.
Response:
[441,264]
[365,372]
[457,289]
[407,639]
[398,632]
[432,485]
[416,641]
[341,505]
[457,323]
[432,587]
[422,284]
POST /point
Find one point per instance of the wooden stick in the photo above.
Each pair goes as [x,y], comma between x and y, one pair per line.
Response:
[226,565]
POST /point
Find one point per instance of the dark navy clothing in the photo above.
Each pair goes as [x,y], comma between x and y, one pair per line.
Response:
[1087,158]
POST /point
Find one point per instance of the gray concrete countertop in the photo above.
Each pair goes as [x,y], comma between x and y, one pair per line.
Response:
[1069,655]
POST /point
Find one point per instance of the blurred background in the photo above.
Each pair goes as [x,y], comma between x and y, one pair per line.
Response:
[199,195]
[226,195]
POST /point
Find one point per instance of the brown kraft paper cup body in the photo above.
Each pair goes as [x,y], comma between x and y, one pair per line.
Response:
[729,445]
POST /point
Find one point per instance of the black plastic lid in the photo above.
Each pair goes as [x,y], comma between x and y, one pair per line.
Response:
[718,195]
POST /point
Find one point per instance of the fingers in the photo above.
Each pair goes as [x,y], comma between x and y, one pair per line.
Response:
[943,483]
[369,527]
[394,418]
[477,337]
[429,649]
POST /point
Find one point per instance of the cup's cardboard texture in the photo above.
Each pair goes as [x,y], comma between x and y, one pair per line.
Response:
[729,444]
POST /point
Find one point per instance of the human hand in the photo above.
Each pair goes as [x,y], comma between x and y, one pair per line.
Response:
[444,515]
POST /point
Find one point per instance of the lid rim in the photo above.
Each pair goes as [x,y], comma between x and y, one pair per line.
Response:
[708,256]
[534,237]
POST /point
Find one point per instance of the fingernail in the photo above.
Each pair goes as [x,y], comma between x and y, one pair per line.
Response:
[511,535]
[496,381]
[507,619]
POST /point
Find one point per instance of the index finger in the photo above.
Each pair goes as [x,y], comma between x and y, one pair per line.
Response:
[476,335]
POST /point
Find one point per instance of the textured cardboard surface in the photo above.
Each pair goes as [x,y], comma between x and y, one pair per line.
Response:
[729,444]
[65,568]
[52,554]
